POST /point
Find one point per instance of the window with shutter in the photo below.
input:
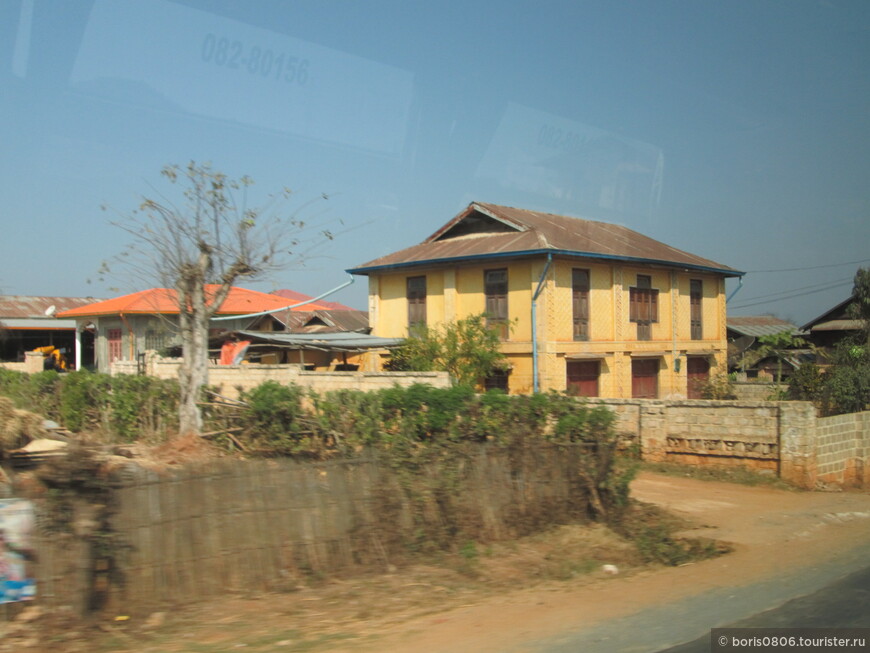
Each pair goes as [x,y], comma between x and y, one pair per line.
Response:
[643,306]
[696,292]
[416,294]
[580,303]
[495,288]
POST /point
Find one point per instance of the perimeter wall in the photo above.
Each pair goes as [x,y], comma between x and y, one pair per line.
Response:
[233,378]
[782,437]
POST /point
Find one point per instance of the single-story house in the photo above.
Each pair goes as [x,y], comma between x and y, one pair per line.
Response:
[744,333]
[125,327]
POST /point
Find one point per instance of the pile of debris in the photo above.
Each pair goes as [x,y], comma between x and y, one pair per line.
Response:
[27,439]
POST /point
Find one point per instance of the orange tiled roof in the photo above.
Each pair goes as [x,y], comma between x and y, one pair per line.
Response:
[240,301]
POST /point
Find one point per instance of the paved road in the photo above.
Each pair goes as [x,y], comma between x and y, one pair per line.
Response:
[842,604]
[832,594]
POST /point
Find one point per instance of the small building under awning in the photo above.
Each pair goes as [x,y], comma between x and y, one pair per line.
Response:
[313,350]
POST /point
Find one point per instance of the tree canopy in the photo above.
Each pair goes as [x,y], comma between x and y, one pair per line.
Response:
[467,349]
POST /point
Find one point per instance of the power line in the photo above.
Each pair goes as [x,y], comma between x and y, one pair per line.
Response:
[823,286]
[784,297]
[815,267]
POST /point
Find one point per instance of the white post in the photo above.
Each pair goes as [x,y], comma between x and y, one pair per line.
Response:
[78,347]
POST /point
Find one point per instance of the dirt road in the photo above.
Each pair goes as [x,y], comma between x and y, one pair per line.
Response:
[786,543]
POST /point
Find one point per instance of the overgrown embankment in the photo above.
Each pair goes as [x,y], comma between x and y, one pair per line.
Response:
[347,480]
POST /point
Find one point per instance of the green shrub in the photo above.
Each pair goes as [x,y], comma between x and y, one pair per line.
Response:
[82,400]
[847,388]
[421,427]
[806,384]
[121,407]
[274,419]
[719,386]
[142,405]
[844,387]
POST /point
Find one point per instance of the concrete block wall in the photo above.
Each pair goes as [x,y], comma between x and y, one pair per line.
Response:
[767,436]
[841,447]
[797,443]
[230,379]
[756,391]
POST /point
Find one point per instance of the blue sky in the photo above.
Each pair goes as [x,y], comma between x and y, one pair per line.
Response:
[734,130]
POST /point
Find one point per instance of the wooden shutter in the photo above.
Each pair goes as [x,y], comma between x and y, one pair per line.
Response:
[496,291]
[416,294]
[696,292]
[643,306]
[580,303]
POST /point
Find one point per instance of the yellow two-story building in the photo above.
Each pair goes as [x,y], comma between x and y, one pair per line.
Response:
[590,307]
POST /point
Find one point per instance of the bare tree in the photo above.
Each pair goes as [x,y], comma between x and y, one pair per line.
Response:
[200,248]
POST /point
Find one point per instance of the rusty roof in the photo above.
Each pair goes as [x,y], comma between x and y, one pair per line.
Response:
[489,231]
[27,306]
[325,321]
[759,325]
[240,301]
[839,313]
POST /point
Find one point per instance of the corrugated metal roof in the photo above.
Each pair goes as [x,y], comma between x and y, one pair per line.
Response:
[325,321]
[493,231]
[27,306]
[838,312]
[240,301]
[36,323]
[323,341]
[760,325]
[837,325]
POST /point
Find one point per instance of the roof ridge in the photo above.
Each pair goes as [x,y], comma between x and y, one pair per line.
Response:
[542,232]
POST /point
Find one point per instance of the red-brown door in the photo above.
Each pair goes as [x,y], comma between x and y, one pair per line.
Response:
[698,373]
[645,378]
[583,378]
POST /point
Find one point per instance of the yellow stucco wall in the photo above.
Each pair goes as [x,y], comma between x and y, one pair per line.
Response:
[458,291]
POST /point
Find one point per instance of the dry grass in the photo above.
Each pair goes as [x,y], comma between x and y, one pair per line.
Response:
[360,608]
[18,427]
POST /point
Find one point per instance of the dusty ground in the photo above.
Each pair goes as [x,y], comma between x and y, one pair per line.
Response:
[508,597]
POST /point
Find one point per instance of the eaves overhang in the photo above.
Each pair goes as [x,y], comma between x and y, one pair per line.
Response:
[364,271]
